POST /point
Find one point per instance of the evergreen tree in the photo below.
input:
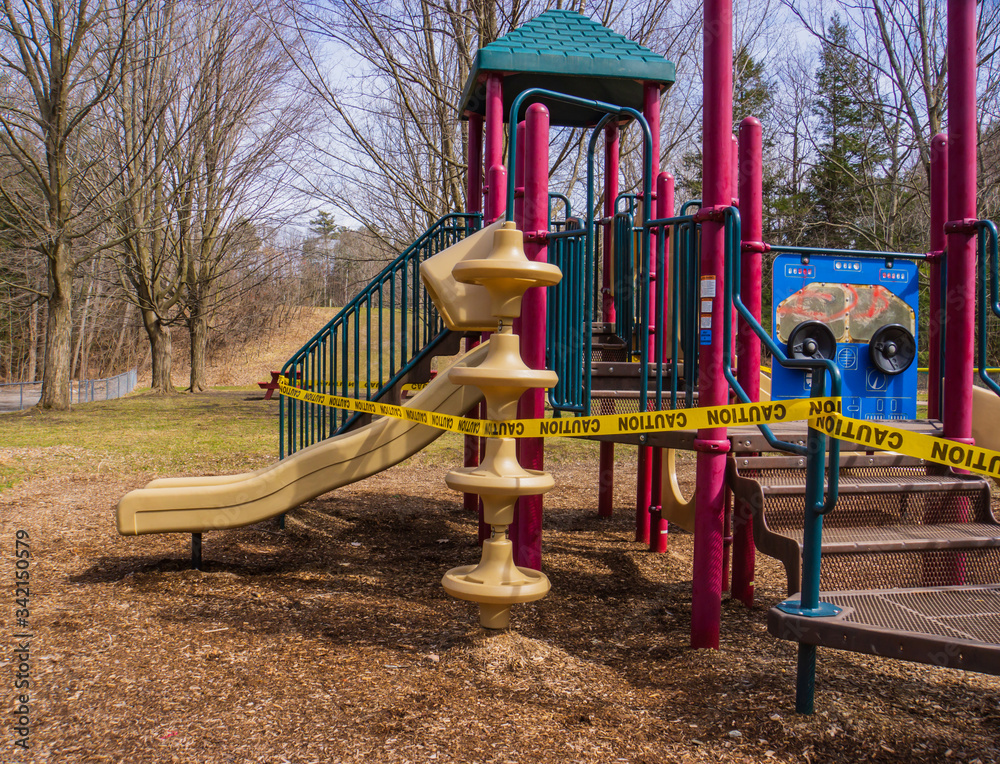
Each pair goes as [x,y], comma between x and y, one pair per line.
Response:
[846,154]
[326,229]
[753,96]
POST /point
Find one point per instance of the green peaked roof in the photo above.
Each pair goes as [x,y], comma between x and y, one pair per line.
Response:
[567,52]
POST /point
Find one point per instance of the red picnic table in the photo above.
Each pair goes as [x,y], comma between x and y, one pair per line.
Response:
[273,384]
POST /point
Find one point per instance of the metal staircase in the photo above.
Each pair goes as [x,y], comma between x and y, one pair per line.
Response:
[383,339]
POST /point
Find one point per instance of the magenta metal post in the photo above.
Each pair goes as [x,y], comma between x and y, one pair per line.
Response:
[606,467]
[658,525]
[612,162]
[939,215]
[711,443]
[532,403]
[496,177]
[514,530]
[495,195]
[473,203]
[961,265]
[747,341]
[644,473]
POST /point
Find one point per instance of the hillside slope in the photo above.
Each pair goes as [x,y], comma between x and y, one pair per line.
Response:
[247,357]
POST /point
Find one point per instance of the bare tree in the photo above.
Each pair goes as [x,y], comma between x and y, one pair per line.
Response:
[143,194]
[237,159]
[60,60]
[391,77]
[900,47]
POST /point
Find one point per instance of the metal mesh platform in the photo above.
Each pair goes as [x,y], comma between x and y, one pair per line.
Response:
[627,402]
[955,626]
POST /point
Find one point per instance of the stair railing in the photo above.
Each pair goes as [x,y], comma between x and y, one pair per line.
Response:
[568,322]
[624,284]
[371,343]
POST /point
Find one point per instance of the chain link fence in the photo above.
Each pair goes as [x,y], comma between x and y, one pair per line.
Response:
[15,396]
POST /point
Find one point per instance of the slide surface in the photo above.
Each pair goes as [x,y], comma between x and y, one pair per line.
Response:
[986,419]
[194,505]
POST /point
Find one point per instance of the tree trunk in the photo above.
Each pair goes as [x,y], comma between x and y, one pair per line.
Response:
[77,369]
[159,350]
[59,328]
[32,343]
[113,364]
[198,328]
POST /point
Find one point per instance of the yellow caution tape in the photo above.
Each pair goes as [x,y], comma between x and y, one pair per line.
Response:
[916,444]
[372,385]
[608,424]
[822,413]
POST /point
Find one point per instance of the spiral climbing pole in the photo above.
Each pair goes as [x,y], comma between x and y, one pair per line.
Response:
[496,582]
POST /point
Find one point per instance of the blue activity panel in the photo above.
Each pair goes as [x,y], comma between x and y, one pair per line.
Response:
[870,307]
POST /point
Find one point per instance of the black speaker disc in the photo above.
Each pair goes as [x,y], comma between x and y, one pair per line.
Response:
[892,349]
[811,340]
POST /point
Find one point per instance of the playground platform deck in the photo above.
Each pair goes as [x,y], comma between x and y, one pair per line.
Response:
[953,627]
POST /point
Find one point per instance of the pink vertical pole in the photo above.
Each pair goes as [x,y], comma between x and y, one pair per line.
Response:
[612,161]
[496,178]
[939,215]
[474,173]
[711,443]
[658,525]
[606,469]
[736,203]
[518,179]
[644,473]
[747,342]
[496,200]
[473,203]
[961,268]
[514,530]
[532,403]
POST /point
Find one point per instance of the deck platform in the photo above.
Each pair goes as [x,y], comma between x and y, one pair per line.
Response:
[954,626]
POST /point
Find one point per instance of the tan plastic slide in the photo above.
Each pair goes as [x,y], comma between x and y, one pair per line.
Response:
[195,505]
[986,419]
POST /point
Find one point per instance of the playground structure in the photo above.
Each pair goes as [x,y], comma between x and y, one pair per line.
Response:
[643,320]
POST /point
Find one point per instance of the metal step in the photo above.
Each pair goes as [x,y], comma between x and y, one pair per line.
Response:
[950,626]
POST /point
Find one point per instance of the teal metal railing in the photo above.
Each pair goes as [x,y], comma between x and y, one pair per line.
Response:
[568,320]
[371,343]
[625,287]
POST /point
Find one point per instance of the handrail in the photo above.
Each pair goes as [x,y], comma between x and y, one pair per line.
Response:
[647,190]
[404,318]
[568,212]
[568,336]
[816,506]
[869,254]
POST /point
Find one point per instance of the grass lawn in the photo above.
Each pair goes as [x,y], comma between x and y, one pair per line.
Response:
[224,430]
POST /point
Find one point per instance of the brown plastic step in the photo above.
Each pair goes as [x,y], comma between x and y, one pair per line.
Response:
[625,375]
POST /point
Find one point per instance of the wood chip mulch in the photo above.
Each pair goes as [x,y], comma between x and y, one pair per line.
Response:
[333,641]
